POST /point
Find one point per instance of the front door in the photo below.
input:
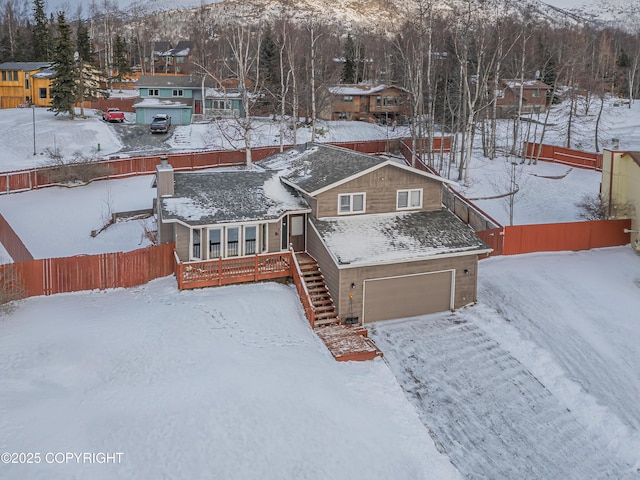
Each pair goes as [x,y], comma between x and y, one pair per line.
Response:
[296,232]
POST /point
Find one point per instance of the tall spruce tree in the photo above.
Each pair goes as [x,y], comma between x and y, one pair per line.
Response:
[269,68]
[83,43]
[64,86]
[120,60]
[41,38]
[349,66]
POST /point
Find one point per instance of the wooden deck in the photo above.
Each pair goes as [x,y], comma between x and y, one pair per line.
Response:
[345,342]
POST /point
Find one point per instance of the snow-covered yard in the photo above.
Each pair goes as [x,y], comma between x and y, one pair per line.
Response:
[540,379]
[217,383]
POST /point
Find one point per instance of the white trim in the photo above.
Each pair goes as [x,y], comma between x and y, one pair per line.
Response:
[452,297]
[351,210]
[408,191]
[193,258]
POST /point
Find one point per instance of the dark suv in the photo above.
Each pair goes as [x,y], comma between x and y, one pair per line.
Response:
[160,123]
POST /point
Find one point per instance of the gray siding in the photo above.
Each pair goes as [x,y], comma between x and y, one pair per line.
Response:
[381,188]
[329,269]
[182,242]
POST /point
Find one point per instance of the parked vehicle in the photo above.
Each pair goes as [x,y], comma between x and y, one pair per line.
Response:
[160,123]
[113,115]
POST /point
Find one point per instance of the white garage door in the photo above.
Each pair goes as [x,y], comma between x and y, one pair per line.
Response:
[408,296]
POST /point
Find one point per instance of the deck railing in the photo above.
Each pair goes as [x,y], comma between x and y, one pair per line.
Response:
[225,271]
[303,292]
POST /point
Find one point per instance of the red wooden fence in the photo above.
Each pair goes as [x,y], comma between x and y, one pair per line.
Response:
[556,237]
[12,243]
[566,156]
[91,272]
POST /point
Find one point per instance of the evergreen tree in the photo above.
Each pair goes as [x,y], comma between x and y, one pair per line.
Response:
[269,67]
[63,87]
[120,60]
[41,38]
[83,43]
[349,66]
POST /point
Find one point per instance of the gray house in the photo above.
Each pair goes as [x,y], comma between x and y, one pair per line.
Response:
[385,246]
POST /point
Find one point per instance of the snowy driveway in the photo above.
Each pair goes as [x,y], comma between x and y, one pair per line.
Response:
[486,411]
[540,379]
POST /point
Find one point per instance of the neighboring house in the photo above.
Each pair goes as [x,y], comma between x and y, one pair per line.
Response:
[153,53]
[223,103]
[386,246]
[177,59]
[179,96]
[19,87]
[533,92]
[372,103]
[620,188]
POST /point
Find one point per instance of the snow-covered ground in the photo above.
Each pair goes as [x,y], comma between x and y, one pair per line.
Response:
[226,383]
[540,380]
[543,196]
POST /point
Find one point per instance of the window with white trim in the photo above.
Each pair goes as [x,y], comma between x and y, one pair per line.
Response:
[409,199]
[351,203]
[347,98]
[215,243]
[154,92]
[250,239]
[177,92]
[196,234]
[233,241]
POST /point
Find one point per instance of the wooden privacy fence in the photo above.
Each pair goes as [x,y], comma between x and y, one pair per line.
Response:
[23,180]
[556,237]
[90,272]
[566,156]
[12,243]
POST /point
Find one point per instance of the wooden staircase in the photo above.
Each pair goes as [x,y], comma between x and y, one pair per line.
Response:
[325,310]
[345,342]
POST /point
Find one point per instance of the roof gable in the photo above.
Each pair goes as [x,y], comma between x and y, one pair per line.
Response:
[320,167]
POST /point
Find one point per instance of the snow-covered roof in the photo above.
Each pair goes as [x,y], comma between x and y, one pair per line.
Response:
[314,168]
[359,89]
[163,102]
[358,240]
[216,93]
[45,73]
[230,196]
[516,83]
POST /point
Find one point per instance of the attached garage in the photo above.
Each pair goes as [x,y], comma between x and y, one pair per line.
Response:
[408,295]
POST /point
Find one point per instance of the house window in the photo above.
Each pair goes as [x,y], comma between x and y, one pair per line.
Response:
[221,105]
[4,76]
[347,98]
[342,116]
[351,203]
[215,243]
[390,101]
[233,241]
[177,92]
[26,81]
[265,244]
[409,199]
[154,92]
[378,100]
[250,239]
[499,93]
[195,242]
[42,93]
[536,93]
